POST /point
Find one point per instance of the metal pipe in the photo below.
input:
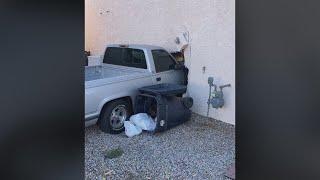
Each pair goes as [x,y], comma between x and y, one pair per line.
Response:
[209,101]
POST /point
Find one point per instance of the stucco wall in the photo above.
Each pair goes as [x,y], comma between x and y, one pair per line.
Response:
[211,26]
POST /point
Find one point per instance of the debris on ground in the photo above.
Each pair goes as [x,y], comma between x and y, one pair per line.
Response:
[144,121]
[114,153]
[137,123]
[131,129]
[106,174]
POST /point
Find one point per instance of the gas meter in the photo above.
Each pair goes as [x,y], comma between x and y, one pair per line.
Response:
[215,99]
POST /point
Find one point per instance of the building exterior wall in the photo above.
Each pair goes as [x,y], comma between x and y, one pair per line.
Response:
[211,28]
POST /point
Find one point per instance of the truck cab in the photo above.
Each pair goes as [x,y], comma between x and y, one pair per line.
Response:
[155,59]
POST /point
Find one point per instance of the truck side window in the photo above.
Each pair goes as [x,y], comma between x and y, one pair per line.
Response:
[162,60]
[125,57]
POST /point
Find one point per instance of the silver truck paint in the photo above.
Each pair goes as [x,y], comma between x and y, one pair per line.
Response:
[107,82]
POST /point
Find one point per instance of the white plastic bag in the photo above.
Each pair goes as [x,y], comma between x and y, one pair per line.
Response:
[144,121]
[130,129]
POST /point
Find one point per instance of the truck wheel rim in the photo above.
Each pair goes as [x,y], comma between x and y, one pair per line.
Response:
[118,116]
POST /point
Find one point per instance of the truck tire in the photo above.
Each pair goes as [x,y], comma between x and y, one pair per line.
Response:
[113,116]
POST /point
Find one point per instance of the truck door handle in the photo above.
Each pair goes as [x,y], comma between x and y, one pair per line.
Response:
[158,79]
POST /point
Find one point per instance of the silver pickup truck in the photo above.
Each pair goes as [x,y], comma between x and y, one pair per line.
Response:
[110,88]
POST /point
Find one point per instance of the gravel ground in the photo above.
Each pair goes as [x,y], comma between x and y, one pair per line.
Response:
[201,148]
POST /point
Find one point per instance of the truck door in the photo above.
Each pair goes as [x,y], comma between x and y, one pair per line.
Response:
[165,68]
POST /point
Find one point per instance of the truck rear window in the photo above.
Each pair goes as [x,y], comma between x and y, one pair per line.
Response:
[125,57]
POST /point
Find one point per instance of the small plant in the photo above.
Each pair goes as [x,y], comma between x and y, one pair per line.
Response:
[113,153]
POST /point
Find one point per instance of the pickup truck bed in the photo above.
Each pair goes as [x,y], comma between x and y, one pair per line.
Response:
[107,73]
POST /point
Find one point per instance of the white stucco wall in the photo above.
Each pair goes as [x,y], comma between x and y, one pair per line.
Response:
[210,23]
